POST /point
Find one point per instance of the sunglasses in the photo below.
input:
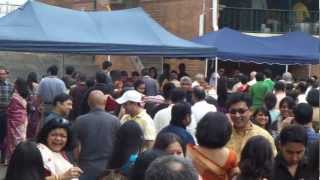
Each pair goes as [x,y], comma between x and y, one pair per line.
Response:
[240,111]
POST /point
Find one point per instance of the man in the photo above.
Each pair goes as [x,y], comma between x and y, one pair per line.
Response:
[165,74]
[182,71]
[301,89]
[200,106]
[252,78]
[96,133]
[50,87]
[303,116]
[186,85]
[290,163]
[279,92]
[258,91]
[77,93]
[268,81]
[130,101]
[62,106]
[199,80]
[6,90]
[152,87]
[171,168]
[67,78]
[180,119]
[163,117]
[243,129]
[106,68]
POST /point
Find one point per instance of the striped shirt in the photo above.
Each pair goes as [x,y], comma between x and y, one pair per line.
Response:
[6,90]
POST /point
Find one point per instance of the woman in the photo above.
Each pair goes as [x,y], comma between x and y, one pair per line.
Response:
[34,112]
[17,118]
[211,158]
[261,117]
[140,86]
[286,107]
[127,147]
[256,159]
[170,143]
[53,140]
[270,101]
[26,163]
[153,72]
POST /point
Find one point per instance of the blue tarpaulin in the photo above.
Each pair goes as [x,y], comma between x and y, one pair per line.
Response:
[290,48]
[38,27]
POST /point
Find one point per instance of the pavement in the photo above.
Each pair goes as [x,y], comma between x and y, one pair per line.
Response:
[3,170]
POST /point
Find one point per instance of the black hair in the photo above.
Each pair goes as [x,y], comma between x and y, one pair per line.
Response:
[101,77]
[289,101]
[302,87]
[26,163]
[167,89]
[211,100]
[82,77]
[268,73]
[171,168]
[270,100]
[166,66]
[138,83]
[32,78]
[199,93]
[239,97]
[293,134]
[142,163]
[243,79]
[222,92]
[135,73]
[61,98]
[279,86]
[155,72]
[115,75]
[182,66]
[106,64]
[21,86]
[178,95]
[129,140]
[90,82]
[163,140]
[256,159]
[70,70]
[179,112]
[144,72]
[53,70]
[313,97]
[53,124]
[303,113]
[210,135]
[259,76]
[266,113]
[124,73]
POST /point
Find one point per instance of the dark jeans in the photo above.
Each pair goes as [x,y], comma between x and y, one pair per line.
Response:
[3,126]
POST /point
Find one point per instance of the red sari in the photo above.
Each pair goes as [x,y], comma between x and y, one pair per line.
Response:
[17,122]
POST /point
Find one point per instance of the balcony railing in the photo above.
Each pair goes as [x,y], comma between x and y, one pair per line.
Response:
[268,20]
[7,8]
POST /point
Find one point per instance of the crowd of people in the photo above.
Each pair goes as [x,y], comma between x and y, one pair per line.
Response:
[159,127]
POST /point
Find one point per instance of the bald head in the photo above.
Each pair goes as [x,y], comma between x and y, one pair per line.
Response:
[97,99]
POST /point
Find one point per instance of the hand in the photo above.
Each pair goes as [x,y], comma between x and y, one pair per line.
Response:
[73,172]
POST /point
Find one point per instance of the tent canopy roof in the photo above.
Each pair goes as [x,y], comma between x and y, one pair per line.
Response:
[38,27]
[290,48]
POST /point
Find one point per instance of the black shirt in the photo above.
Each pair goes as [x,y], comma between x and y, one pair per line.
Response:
[281,172]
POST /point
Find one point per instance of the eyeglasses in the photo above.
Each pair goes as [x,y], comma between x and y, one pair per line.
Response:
[240,111]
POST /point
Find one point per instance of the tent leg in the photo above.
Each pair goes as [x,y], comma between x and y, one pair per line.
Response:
[62,65]
[206,70]
[109,58]
[287,67]
[162,62]
[216,72]
[309,69]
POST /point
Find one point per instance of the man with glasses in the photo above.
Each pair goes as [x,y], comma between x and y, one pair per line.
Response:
[243,129]
[6,90]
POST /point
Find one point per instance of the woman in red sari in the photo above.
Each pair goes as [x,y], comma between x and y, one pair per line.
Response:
[17,118]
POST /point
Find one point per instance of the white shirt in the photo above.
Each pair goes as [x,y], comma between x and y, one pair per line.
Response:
[198,110]
[252,82]
[162,118]
[302,98]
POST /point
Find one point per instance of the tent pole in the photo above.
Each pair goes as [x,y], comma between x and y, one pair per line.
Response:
[109,58]
[206,70]
[309,69]
[216,72]
[162,62]
[62,65]
[287,67]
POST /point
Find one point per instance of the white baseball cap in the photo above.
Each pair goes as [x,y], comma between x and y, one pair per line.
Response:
[130,95]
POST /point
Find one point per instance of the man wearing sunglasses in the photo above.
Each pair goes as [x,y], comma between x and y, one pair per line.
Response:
[243,129]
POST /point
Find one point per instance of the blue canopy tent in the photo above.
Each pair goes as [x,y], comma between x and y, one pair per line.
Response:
[38,27]
[290,48]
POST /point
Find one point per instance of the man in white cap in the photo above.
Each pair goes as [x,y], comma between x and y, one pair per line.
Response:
[131,101]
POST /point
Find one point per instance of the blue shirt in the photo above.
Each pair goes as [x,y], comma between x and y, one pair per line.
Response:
[312,135]
[185,136]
